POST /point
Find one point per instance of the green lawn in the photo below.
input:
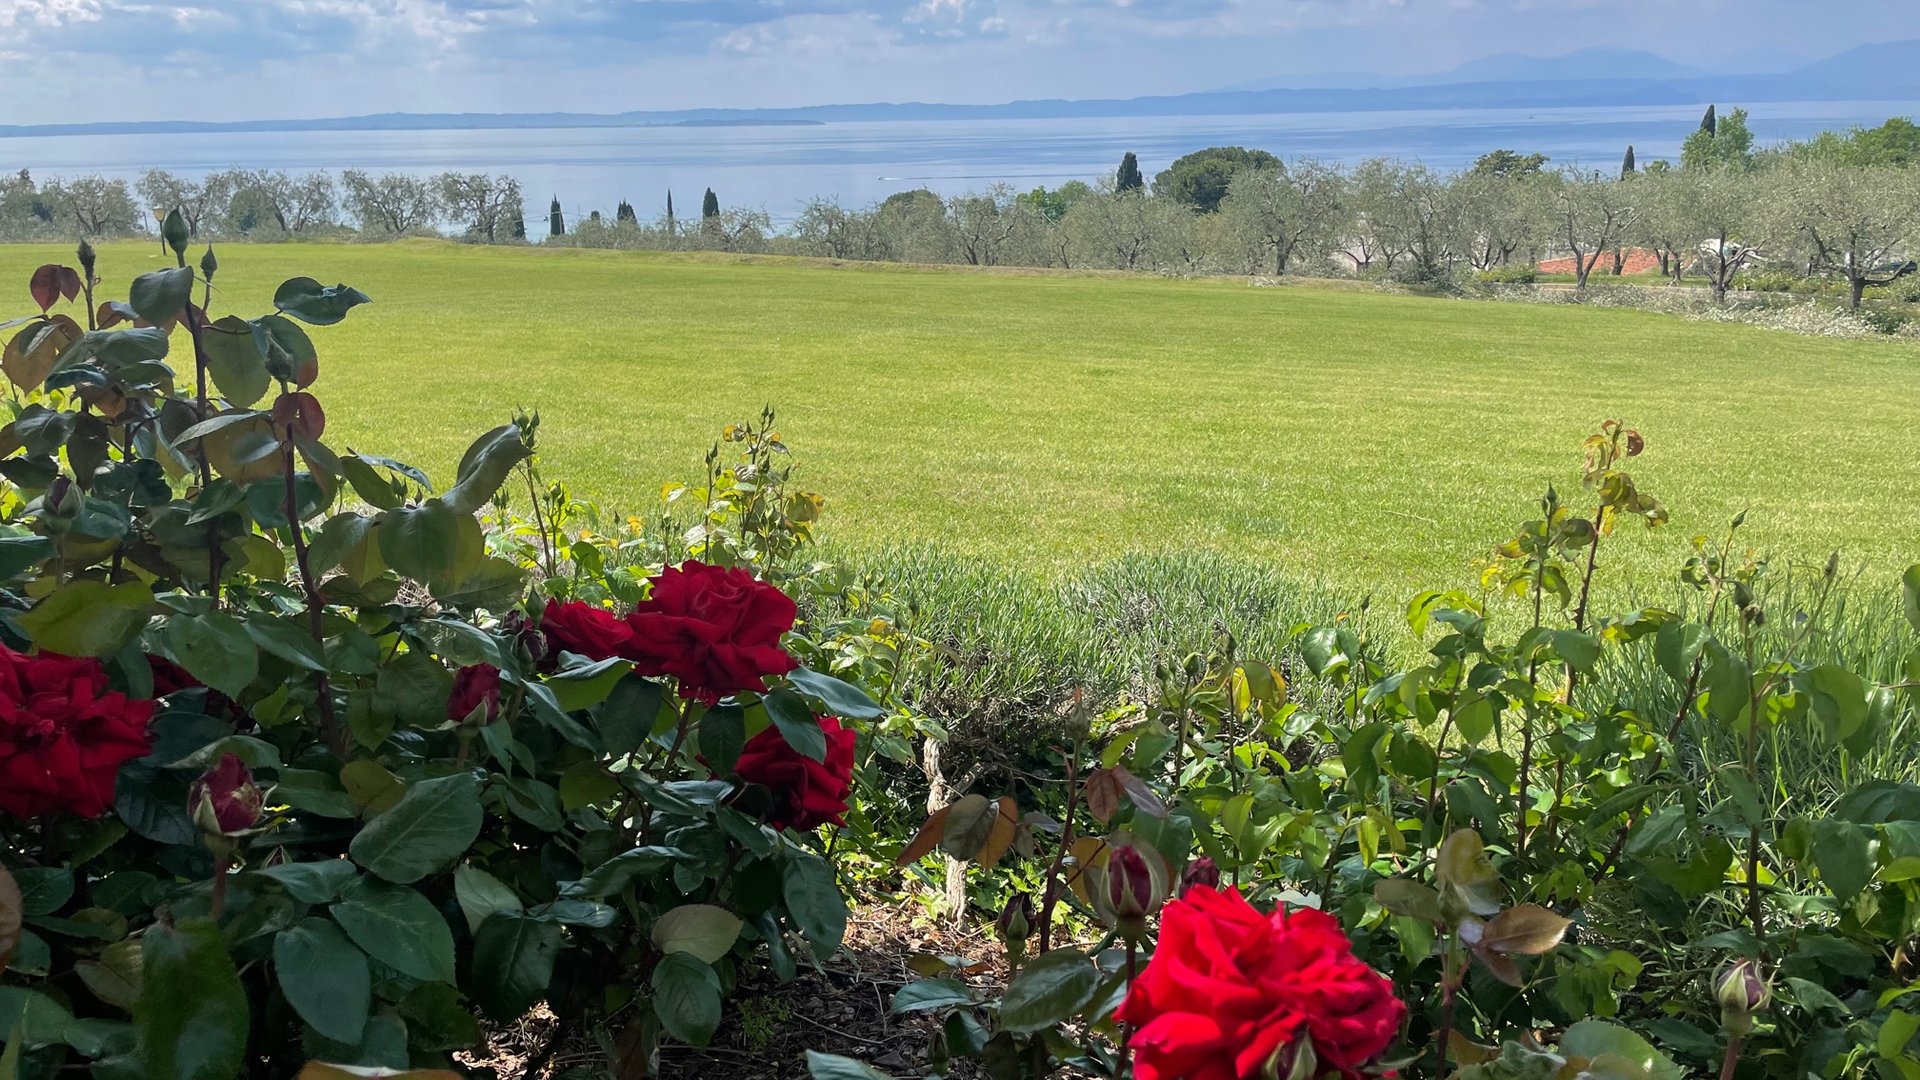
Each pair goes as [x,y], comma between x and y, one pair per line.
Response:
[1331,434]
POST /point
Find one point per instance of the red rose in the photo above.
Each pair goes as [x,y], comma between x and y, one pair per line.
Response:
[225,801]
[806,793]
[1229,989]
[473,687]
[579,627]
[63,735]
[717,631]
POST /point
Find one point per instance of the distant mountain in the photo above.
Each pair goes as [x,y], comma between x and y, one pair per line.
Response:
[1583,64]
[1887,72]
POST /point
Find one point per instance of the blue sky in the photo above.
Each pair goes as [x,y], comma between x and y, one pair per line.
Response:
[85,60]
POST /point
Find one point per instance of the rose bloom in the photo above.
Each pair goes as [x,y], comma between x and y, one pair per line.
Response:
[169,678]
[1229,988]
[473,686]
[579,627]
[806,793]
[716,631]
[63,735]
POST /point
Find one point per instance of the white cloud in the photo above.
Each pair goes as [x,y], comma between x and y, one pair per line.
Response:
[48,13]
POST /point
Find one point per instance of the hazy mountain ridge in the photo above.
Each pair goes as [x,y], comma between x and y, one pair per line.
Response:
[1889,71]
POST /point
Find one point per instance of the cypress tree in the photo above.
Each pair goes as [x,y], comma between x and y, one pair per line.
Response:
[518,228]
[1129,178]
[710,206]
[625,213]
[1626,165]
[1709,124]
[669,211]
[556,222]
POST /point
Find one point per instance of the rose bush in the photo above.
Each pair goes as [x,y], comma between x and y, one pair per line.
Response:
[806,793]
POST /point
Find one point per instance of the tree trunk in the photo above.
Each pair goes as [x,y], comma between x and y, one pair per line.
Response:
[1859,288]
[939,795]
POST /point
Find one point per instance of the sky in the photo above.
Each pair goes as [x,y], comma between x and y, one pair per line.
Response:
[72,61]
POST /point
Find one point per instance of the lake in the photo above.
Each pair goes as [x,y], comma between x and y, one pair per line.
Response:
[779,168]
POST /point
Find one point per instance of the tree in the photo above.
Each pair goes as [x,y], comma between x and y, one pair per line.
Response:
[1053,205]
[1284,215]
[669,213]
[1591,213]
[163,191]
[1498,215]
[1853,222]
[986,224]
[1724,143]
[709,206]
[624,214]
[95,205]
[487,204]
[556,220]
[391,203]
[1200,179]
[1128,179]
[1626,163]
[1509,163]
[1710,211]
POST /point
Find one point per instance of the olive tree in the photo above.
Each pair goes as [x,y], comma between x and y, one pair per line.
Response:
[488,205]
[199,202]
[1591,213]
[1856,223]
[1286,215]
[1497,215]
[1713,215]
[391,202]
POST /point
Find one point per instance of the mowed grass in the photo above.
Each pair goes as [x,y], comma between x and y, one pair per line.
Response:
[1341,436]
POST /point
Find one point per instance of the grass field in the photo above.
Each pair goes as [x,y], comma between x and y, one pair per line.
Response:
[1045,421]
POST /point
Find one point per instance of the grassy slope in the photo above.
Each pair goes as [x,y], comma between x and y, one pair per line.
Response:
[1368,440]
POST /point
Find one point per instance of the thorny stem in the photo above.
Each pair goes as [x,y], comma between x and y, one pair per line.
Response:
[1731,1059]
[222,867]
[539,522]
[316,613]
[214,555]
[1448,990]
[1126,1030]
[1526,733]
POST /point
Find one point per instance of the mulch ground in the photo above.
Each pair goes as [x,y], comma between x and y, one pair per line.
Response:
[843,1008]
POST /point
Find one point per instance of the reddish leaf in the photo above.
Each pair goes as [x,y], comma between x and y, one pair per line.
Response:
[1139,793]
[299,415]
[1000,836]
[925,840]
[52,282]
[112,313]
[1103,795]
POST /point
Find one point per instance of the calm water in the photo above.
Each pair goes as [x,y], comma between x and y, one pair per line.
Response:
[778,168]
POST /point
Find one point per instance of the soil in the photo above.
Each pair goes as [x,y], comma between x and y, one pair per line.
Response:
[842,1008]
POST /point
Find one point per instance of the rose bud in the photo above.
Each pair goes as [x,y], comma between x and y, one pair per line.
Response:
[1201,871]
[476,695]
[1134,893]
[225,801]
[1016,919]
[1741,989]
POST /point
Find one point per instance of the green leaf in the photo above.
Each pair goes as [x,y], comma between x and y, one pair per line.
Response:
[319,882]
[1816,998]
[214,648]
[721,734]
[930,994]
[618,872]
[586,685]
[398,925]
[431,543]
[1580,651]
[325,978]
[159,295]
[797,724]
[686,998]
[286,639]
[18,554]
[236,361]
[512,963]
[43,889]
[814,901]
[431,826]
[704,930]
[1910,595]
[1049,990]
[1617,1053]
[482,895]
[193,1015]
[88,618]
[34,1019]
[485,466]
[1676,646]
[1842,853]
[311,302]
[842,699]
[834,1067]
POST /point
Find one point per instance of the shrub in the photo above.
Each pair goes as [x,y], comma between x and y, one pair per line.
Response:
[1513,274]
[301,762]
